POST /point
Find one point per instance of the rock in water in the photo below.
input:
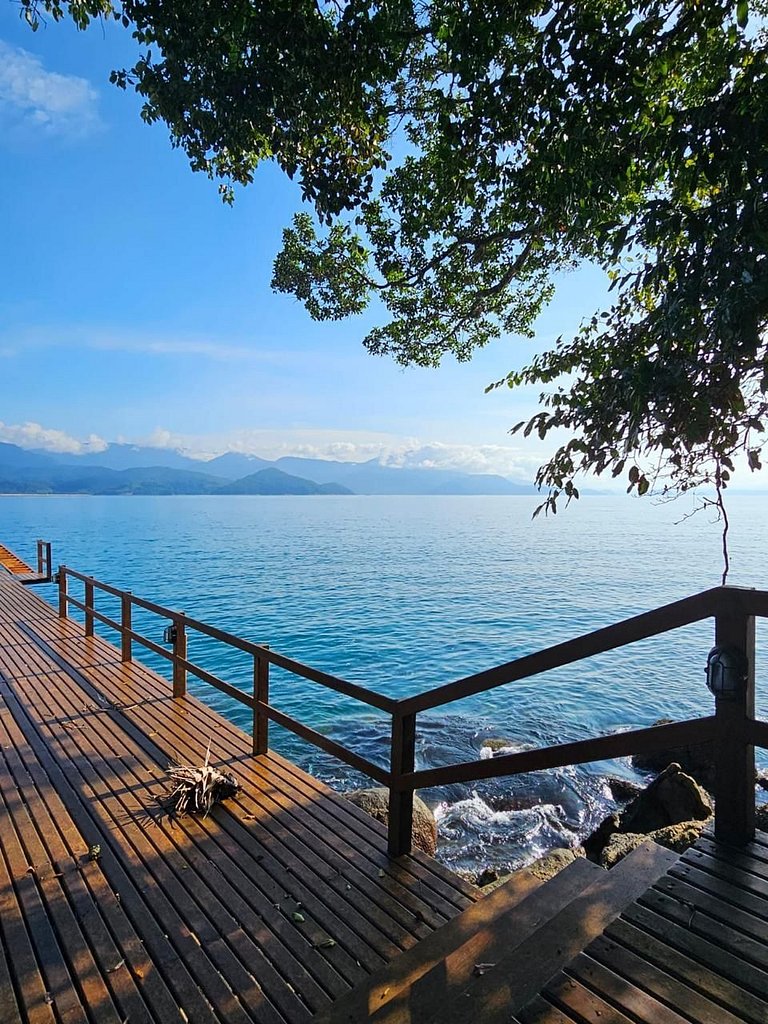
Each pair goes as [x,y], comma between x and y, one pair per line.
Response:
[376,803]
[671,799]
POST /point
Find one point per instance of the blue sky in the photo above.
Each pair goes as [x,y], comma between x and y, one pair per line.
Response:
[136,306]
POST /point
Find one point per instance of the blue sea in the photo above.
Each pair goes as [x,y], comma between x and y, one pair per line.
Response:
[402,594]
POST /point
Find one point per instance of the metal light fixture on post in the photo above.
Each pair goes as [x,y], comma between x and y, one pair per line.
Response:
[727,671]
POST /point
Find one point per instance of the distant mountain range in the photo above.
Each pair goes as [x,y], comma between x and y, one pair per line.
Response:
[131,469]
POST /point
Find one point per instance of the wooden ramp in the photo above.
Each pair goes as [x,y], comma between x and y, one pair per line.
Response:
[660,939]
[271,909]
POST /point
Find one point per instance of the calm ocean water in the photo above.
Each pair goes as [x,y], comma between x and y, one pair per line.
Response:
[402,594]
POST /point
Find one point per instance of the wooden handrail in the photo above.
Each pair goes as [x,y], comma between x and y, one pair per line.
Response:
[331,682]
[733,729]
[600,748]
[639,627]
[181,665]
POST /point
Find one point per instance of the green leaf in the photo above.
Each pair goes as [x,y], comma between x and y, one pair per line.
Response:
[742,13]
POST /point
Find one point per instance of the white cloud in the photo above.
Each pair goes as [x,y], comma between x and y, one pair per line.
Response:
[45,100]
[352,446]
[33,435]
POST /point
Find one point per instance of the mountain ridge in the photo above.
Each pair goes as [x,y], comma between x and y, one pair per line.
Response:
[167,471]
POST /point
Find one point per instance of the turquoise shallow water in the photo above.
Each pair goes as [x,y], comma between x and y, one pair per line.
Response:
[406,593]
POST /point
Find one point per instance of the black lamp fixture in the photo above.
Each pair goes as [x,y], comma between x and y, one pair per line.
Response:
[170,634]
[727,669]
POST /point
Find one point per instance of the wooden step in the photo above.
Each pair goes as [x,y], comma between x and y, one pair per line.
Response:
[527,966]
[444,962]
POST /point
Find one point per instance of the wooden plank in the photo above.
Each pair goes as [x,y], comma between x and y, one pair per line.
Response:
[604,982]
[220,875]
[743,857]
[751,897]
[434,877]
[714,906]
[442,964]
[539,1011]
[573,998]
[9,1006]
[708,926]
[12,563]
[165,957]
[191,912]
[342,872]
[672,924]
[76,951]
[98,909]
[311,809]
[518,977]
[42,960]
[649,977]
[689,960]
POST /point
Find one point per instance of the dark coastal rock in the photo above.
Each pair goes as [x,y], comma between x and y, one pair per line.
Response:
[487,877]
[696,759]
[672,798]
[623,789]
[376,803]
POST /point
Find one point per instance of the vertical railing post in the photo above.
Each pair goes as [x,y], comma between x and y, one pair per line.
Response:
[62,591]
[89,606]
[126,625]
[48,561]
[734,755]
[179,651]
[260,696]
[402,762]
[39,557]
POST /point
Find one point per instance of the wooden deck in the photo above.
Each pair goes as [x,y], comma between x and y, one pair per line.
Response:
[24,573]
[285,906]
[693,947]
[281,901]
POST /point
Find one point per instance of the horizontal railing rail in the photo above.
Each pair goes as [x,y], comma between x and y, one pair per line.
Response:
[733,731]
[640,627]
[263,711]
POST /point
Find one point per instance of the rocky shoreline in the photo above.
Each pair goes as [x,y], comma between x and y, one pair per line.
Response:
[673,809]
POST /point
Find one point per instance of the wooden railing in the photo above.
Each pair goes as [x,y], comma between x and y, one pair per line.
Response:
[733,730]
[44,564]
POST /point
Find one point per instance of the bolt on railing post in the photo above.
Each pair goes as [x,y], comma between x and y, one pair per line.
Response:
[126,625]
[402,762]
[89,606]
[260,696]
[734,755]
[62,591]
[179,652]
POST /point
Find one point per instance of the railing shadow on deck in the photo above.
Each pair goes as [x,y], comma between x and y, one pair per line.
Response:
[733,730]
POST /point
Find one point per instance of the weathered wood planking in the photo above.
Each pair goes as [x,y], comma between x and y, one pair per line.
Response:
[693,947]
[269,910]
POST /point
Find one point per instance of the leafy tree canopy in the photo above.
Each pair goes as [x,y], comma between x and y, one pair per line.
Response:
[455,156]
